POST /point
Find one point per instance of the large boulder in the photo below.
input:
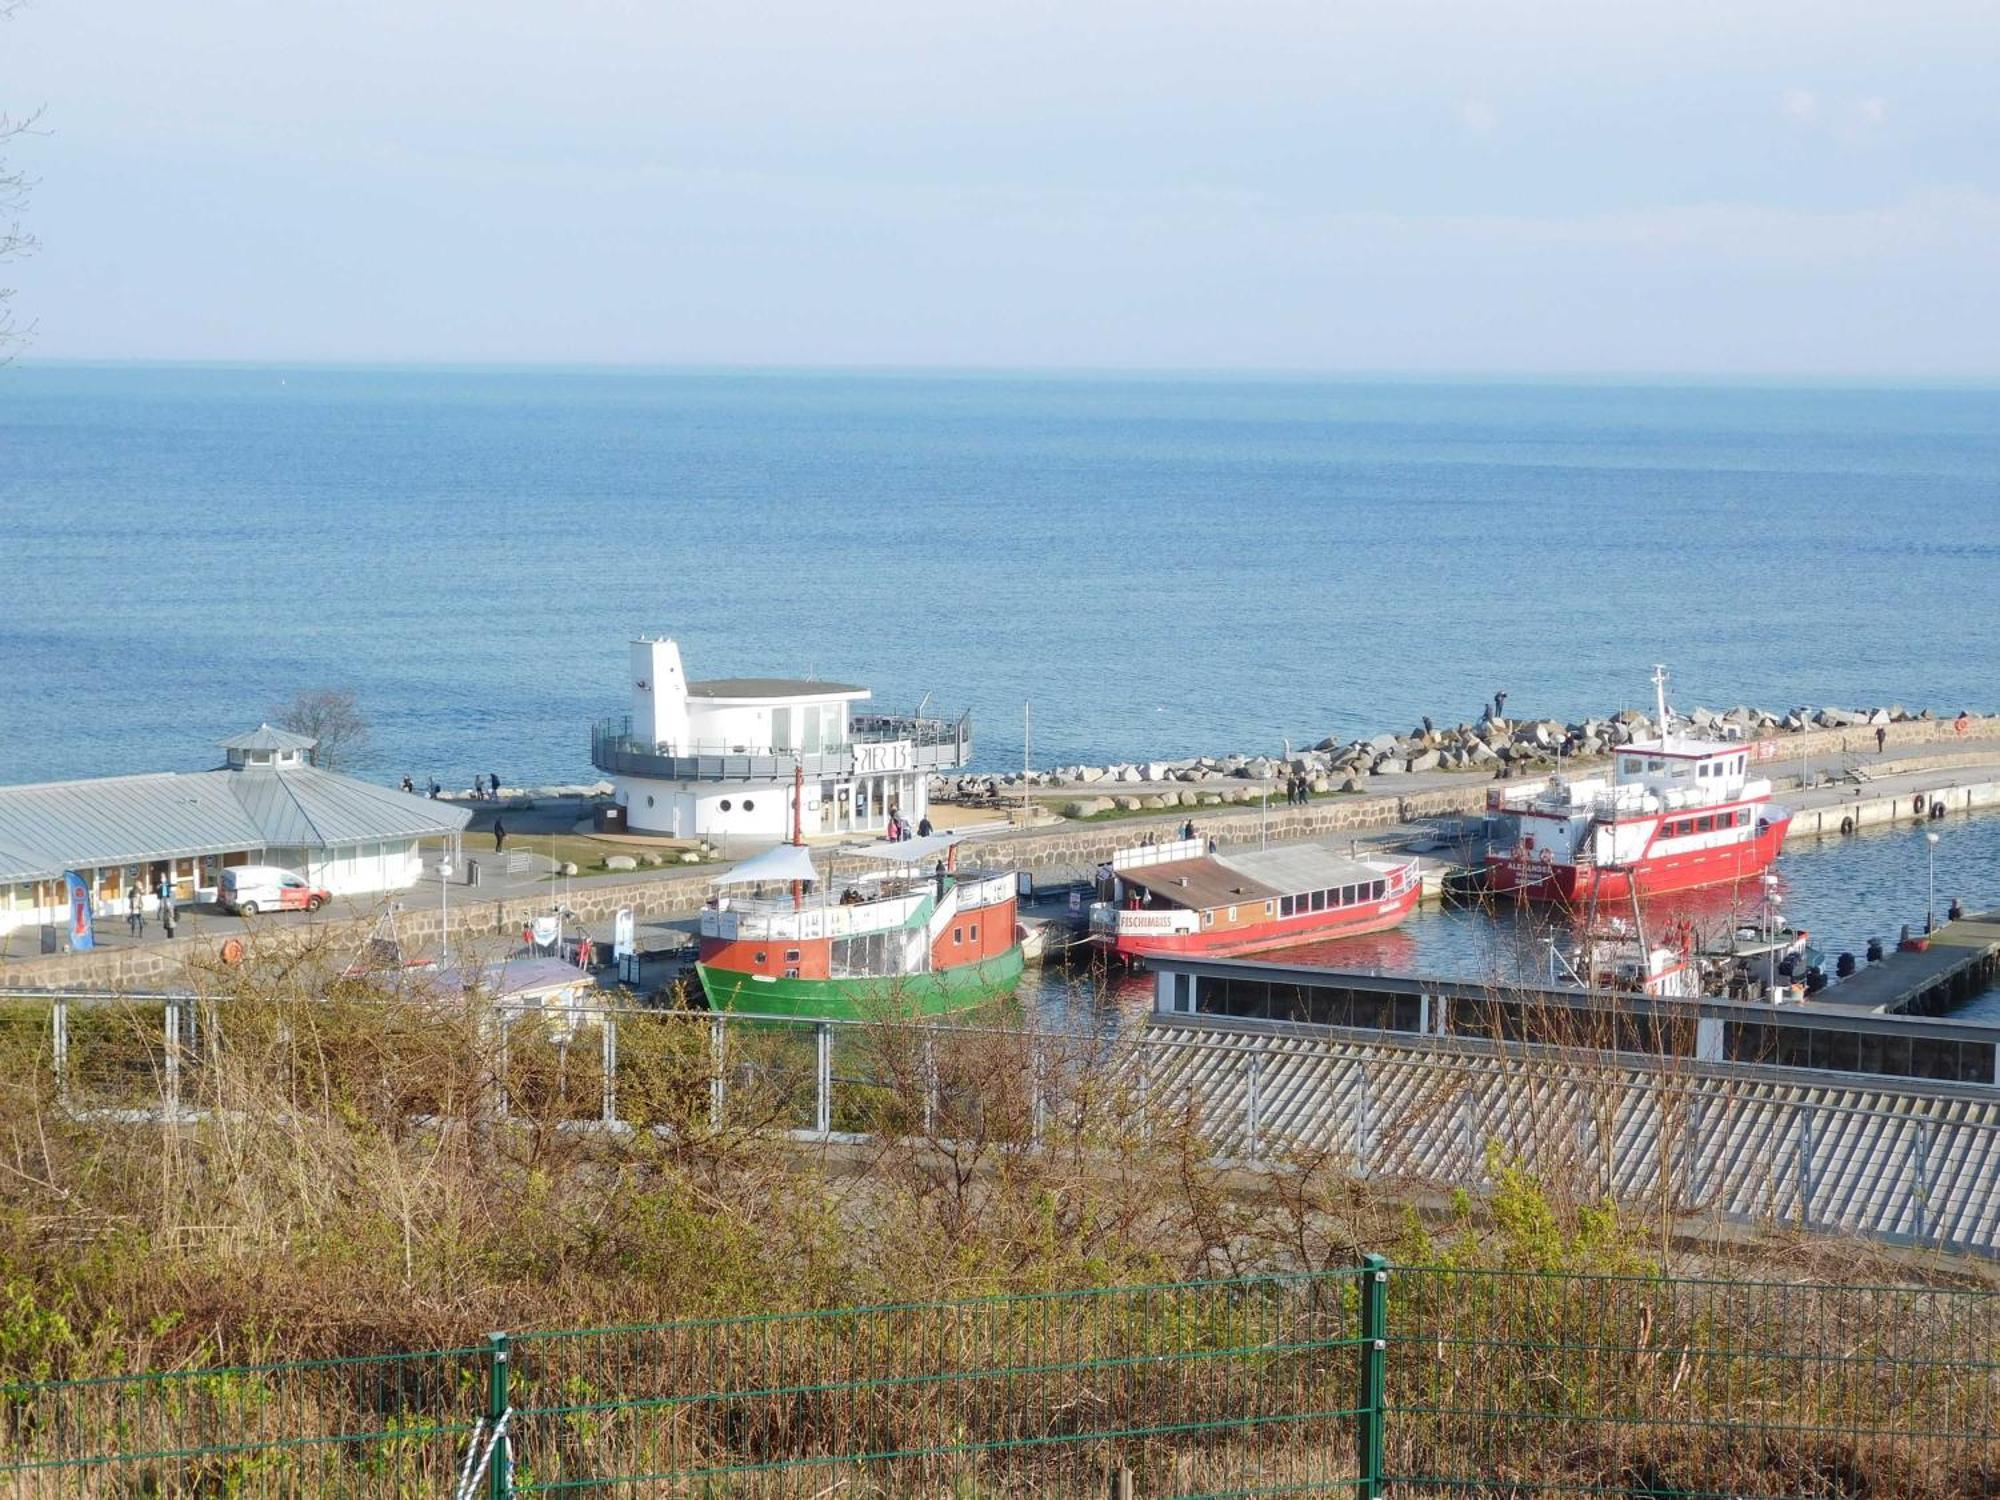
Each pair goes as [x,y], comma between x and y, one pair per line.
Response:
[1388,765]
[1086,807]
[1427,761]
[620,862]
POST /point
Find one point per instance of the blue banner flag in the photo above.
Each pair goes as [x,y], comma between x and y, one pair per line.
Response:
[81,936]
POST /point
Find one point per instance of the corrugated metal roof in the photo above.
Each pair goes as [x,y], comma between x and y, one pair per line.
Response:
[264,737]
[116,820]
[1752,1145]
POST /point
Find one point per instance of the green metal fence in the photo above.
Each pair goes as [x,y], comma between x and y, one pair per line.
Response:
[1369,1381]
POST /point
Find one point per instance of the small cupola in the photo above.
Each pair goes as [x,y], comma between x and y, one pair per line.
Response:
[267,749]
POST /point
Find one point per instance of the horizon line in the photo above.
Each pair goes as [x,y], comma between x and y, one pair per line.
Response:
[25,359]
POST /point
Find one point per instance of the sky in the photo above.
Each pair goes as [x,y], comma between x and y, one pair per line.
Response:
[1784,187]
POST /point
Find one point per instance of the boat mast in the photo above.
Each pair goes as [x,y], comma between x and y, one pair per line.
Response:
[1660,698]
[798,827]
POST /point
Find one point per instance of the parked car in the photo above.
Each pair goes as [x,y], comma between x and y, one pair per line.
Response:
[249,889]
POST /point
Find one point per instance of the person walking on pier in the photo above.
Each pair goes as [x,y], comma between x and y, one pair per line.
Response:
[499,835]
[1881,738]
[135,914]
[168,915]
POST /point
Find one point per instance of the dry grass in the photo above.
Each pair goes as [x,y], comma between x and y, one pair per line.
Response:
[359,1172]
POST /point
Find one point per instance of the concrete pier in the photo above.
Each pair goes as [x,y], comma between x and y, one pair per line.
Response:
[1961,959]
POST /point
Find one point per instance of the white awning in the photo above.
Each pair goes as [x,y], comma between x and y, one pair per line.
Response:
[782,865]
[921,851]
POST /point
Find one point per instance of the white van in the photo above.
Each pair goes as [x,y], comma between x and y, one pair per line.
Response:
[249,889]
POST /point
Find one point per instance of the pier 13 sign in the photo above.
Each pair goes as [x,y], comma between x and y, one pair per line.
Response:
[883,755]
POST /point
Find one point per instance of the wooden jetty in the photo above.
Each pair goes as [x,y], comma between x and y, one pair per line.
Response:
[1961,959]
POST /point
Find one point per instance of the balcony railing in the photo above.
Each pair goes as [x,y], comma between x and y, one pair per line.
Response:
[877,744]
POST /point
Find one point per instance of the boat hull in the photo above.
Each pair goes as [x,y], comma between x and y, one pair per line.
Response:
[1577,885]
[1266,937]
[876,997]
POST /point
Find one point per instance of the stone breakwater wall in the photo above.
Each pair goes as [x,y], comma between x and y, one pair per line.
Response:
[1493,746]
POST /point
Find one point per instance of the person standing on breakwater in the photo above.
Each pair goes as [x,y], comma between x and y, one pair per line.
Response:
[409,786]
[1881,738]
[493,780]
[499,835]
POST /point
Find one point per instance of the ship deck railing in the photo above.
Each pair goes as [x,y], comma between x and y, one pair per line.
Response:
[934,745]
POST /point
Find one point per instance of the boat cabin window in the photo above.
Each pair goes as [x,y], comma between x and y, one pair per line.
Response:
[1319,900]
[1377,890]
[1232,914]
[975,932]
[1704,825]
[1284,906]
[1631,765]
[791,955]
[1347,895]
[957,936]
[1655,764]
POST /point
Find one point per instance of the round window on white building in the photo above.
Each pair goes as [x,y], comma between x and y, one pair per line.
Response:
[748,805]
[725,804]
[649,801]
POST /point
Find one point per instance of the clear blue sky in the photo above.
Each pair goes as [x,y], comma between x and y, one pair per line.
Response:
[1750,187]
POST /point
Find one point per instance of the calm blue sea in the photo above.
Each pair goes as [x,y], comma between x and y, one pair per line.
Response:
[1160,565]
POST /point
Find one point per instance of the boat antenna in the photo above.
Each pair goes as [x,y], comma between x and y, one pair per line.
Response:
[1660,698]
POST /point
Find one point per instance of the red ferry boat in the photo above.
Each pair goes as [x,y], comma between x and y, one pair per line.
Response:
[1675,813]
[1177,898]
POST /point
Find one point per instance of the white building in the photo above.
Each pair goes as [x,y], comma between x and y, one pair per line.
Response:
[719,759]
[267,805]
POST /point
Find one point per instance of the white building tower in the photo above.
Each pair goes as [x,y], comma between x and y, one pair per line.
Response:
[719,759]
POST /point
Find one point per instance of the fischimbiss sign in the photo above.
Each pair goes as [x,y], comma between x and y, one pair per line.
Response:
[875,758]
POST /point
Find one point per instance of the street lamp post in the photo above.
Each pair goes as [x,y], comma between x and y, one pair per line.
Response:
[444,904]
[1930,900]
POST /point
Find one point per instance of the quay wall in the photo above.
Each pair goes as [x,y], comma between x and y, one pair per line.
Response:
[1882,809]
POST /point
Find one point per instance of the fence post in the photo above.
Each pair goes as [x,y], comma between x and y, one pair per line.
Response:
[59,1045]
[610,1067]
[172,1060]
[717,1047]
[1374,1360]
[823,1078]
[500,1468]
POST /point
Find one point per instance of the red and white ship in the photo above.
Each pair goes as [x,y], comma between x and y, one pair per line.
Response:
[1177,898]
[1675,813]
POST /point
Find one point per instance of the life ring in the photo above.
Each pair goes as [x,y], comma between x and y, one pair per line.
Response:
[1847,825]
[232,951]
[1917,803]
[1937,811]
[1961,724]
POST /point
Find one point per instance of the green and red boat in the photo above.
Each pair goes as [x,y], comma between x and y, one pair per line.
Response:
[917,937]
